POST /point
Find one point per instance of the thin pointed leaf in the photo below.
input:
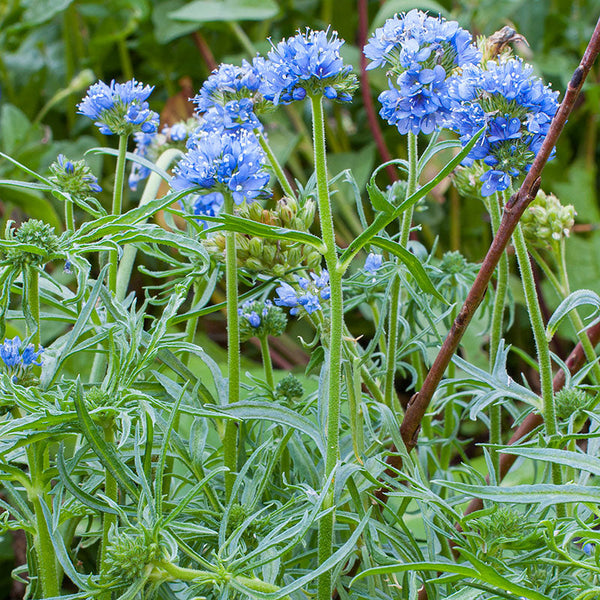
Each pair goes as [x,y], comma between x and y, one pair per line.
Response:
[106,453]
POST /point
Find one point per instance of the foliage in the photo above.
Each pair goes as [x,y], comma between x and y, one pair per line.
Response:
[204,373]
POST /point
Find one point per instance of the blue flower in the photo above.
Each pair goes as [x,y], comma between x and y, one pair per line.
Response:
[120,108]
[17,359]
[306,64]
[232,163]
[516,109]
[422,53]
[312,291]
[373,263]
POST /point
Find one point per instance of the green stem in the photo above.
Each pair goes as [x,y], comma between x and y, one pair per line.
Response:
[109,520]
[69,215]
[230,441]
[497,326]
[48,572]
[266,358]
[279,173]
[150,193]
[543,351]
[125,59]
[33,302]
[336,328]
[390,369]
[117,207]
[562,288]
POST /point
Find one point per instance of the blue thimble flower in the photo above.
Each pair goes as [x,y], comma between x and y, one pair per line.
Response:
[308,298]
[120,108]
[516,109]
[421,53]
[307,64]
[74,177]
[230,98]
[260,319]
[231,163]
[17,360]
[373,263]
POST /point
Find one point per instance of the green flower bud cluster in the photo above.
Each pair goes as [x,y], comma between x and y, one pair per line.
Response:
[238,513]
[571,401]
[74,177]
[129,554]
[467,180]
[453,263]
[260,319]
[290,388]
[33,233]
[277,257]
[546,221]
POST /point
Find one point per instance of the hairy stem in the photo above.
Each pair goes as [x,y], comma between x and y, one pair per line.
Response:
[390,368]
[496,328]
[230,442]
[326,525]
[266,358]
[543,351]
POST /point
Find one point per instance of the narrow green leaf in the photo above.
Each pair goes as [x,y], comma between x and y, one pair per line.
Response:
[412,263]
[105,452]
[488,574]
[378,199]
[203,11]
[541,493]
[577,460]
[572,301]
[268,411]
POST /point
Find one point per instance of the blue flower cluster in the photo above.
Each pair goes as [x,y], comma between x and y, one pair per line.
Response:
[248,311]
[229,98]
[74,177]
[120,108]
[307,64]
[312,292]
[515,107]
[17,359]
[422,53]
[232,163]
[152,145]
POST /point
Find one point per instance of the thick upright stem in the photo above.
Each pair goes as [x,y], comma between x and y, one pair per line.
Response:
[325,544]
[117,207]
[390,369]
[109,520]
[496,329]
[230,442]
[543,351]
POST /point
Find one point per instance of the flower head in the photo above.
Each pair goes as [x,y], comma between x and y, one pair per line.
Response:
[33,233]
[260,319]
[74,177]
[232,163]
[17,360]
[308,298]
[422,52]
[516,109]
[307,64]
[120,108]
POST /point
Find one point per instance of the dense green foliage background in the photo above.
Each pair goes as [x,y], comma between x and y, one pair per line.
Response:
[51,50]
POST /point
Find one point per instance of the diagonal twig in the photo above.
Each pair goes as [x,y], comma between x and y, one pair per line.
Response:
[419,403]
